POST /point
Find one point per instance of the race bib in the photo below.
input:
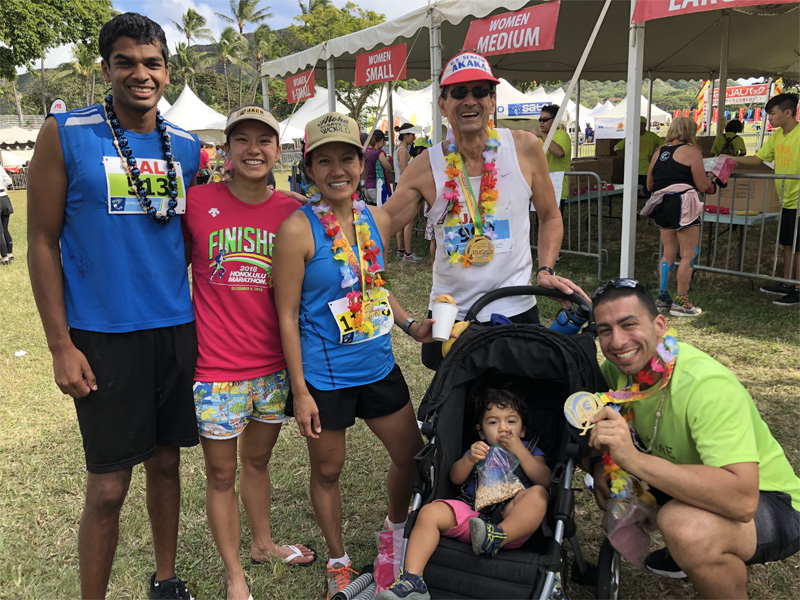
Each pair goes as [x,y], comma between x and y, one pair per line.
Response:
[122,198]
[345,320]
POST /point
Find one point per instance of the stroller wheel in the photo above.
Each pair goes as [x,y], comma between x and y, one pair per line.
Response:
[608,566]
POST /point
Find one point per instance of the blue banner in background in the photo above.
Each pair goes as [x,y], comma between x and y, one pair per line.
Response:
[527,109]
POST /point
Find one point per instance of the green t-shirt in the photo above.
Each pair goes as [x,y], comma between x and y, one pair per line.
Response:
[708,418]
[554,164]
[785,151]
[648,142]
[739,149]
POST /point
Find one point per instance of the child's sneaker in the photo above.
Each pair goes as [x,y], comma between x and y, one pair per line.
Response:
[663,302]
[486,538]
[681,307]
[339,577]
[407,587]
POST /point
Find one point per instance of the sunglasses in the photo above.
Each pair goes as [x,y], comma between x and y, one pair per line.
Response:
[546,119]
[618,284]
[478,91]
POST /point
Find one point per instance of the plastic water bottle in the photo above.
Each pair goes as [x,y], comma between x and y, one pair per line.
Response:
[570,320]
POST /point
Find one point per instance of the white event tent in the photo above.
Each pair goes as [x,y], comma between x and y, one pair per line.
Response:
[293,127]
[192,114]
[611,123]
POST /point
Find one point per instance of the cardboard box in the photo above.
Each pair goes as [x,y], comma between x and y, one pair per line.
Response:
[761,193]
[705,143]
[602,165]
[605,147]
[618,169]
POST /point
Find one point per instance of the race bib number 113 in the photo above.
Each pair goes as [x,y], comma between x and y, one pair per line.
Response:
[153,175]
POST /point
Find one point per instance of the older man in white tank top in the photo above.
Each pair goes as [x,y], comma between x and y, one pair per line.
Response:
[482,244]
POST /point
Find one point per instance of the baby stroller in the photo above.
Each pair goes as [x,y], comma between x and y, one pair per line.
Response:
[545,367]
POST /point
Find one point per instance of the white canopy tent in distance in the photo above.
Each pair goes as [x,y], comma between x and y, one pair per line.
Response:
[702,50]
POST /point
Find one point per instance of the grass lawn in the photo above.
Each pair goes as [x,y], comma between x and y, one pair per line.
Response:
[42,471]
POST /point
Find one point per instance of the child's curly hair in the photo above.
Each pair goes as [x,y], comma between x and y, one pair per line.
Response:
[501,398]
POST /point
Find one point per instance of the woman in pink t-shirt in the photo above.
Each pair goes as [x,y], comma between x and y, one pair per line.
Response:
[241,380]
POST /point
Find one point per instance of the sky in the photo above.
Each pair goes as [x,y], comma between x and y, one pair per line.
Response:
[161,11]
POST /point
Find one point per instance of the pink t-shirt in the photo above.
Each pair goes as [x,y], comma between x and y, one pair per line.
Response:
[203,159]
[232,243]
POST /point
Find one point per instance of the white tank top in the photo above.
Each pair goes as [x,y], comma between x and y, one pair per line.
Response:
[512,263]
[396,160]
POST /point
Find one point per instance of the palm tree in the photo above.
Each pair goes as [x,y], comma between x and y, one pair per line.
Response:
[261,47]
[185,62]
[84,66]
[312,5]
[230,48]
[244,12]
[193,26]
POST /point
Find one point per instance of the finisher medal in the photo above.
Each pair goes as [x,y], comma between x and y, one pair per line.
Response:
[480,250]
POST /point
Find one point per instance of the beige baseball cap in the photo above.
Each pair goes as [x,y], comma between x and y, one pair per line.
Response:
[252,113]
[332,127]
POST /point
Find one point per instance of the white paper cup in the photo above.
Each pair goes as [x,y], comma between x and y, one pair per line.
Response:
[445,316]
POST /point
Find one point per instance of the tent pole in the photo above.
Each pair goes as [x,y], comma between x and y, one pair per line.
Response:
[265,91]
[723,67]
[634,107]
[331,85]
[770,92]
[649,98]
[577,118]
[436,69]
[389,88]
[711,87]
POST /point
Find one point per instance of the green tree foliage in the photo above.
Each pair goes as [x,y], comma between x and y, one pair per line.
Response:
[85,67]
[231,48]
[244,12]
[193,26]
[312,5]
[327,22]
[29,28]
[185,63]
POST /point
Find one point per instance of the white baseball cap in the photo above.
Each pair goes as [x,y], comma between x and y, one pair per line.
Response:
[467,66]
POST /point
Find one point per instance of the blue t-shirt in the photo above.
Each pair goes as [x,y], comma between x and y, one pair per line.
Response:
[327,363]
[122,272]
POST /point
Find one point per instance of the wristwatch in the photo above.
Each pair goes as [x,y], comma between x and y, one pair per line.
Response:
[407,325]
[548,269]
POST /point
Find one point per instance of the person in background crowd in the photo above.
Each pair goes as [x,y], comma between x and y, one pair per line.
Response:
[6,210]
[406,134]
[649,142]
[783,147]
[377,168]
[205,171]
[730,143]
[559,154]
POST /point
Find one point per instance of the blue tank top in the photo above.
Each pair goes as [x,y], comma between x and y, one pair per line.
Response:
[327,364]
[122,272]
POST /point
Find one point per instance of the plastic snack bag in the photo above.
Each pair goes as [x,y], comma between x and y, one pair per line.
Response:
[629,522]
[390,557]
[496,479]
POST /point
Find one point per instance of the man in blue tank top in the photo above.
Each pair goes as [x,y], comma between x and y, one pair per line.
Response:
[107,184]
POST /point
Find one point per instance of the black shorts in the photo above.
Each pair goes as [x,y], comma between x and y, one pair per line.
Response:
[777,526]
[339,408]
[789,223]
[667,214]
[432,352]
[144,394]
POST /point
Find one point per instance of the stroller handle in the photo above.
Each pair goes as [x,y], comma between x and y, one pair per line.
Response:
[524,290]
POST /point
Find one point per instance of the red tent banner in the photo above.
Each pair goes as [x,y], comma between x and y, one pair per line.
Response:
[741,113]
[300,87]
[714,118]
[758,114]
[744,94]
[647,10]
[676,114]
[525,30]
[380,66]
[685,112]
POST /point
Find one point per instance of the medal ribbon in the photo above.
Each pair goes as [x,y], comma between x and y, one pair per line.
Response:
[469,196]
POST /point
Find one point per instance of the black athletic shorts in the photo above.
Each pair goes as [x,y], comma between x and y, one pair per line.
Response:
[144,394]
[789,222]
[777,526]
[432,352]
[667,214]
[339,408]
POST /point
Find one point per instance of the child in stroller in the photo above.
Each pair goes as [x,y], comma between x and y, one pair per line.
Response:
[501,420]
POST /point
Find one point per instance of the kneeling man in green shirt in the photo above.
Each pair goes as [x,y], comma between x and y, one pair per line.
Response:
[729,497]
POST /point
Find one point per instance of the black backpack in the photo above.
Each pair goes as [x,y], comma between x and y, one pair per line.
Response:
[727,147]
